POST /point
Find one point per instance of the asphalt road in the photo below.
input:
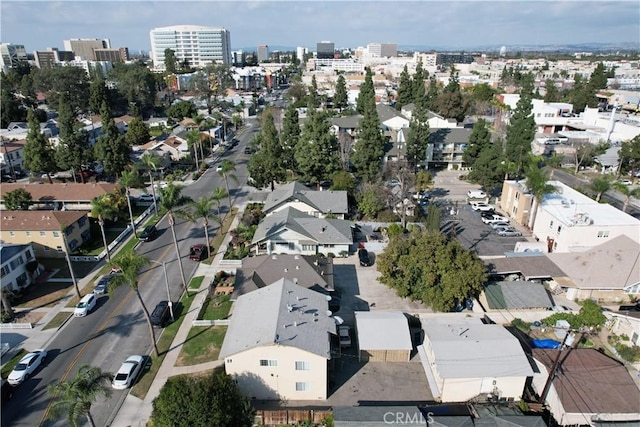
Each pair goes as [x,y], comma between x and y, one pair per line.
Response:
[117,327]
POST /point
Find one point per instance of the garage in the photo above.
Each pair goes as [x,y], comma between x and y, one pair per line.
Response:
[383,336]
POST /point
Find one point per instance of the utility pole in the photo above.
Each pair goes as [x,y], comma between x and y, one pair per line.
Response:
[556,364]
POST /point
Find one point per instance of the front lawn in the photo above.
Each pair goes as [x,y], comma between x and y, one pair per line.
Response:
[202,345]
[216,307]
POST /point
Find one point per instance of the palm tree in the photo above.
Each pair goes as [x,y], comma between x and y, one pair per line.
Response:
[76,396]
[193,138]
[628,193]
[63,233]
[227,167]
[102,208]
[171,199]
[509,168]
[600,185]
[130,264]
[197,209]
[152,162]
[128,180]
[537,183]
[219,193]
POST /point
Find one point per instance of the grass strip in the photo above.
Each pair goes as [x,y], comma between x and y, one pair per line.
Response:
[8,367]
[202,345]
[57,320]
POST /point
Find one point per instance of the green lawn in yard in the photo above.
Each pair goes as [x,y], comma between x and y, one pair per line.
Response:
[57,320]
[202,345]
[217,307]
[8,367]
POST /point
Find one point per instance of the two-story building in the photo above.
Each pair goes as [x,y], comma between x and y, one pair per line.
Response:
[296,195]
[14,260]
[46,231]
[61,196]
[11,156]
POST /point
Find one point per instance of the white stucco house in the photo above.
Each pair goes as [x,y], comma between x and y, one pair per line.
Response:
[569,221]
[290,231]
[315,203]
[278,343]
[464,358]
[14,259]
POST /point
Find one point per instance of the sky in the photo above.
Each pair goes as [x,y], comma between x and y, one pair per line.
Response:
[430,24]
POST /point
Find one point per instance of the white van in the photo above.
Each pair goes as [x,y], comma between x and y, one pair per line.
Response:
[476,194]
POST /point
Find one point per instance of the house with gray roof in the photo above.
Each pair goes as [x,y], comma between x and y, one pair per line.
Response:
[515,295]
[278,344]
[464,359]
[311,272]
[446,146]
[290,231]
[315,203]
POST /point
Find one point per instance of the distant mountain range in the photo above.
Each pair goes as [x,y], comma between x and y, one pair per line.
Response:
[569,47]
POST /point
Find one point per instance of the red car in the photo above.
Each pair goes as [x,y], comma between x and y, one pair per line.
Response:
[198,252]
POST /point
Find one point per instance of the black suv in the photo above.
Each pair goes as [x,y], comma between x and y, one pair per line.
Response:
[160,315]
[148,233]
[365,259]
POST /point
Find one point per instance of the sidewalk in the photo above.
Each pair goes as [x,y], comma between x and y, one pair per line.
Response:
[137,412]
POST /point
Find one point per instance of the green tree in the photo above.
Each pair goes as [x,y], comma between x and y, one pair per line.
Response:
[487,169]
[289,136]
[101,209]
[367,92]
[129,264]
[343,181]
[405,89]
[267,166]
[433,218]
[521,130]
[136,87]
[591,314]
[417,84]
[151,163]
[371,200]
[625,190]
[212,400]
[433,92]
[38,154]
[479,141]
[539,187]
[227,169]
[418,138]
[98,93]
[75,397]
[182,110]
[137,132]
[211,83]
[580,95]
[317,151]
[600,185]
[201,209]
[552,94]
[219,193]
[586,152]
[171,199]
[193,141]
[170,61]
[369,148]
[340,98]
[74,149]
[72,82]
[451,102]
[10,110]
[425,266]
[314,98]
[629,156]
[130,179]
[17,200]
[424,180]
[111,148]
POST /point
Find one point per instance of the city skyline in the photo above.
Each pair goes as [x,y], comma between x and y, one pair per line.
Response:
[450,25]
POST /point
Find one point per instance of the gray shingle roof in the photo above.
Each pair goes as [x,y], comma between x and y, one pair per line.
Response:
[449,135]
[320,230]
[283,314]
[308,271]
[347,122]
[386,112]
[517,295]
[324,201]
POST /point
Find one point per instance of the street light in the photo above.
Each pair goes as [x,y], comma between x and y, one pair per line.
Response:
[166,282]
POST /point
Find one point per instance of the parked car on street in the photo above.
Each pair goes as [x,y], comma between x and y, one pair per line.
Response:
[161,315]
[26,366]
[128,372]
[86,304]
[148,233]
[102,285]
[499,225]
[198,252]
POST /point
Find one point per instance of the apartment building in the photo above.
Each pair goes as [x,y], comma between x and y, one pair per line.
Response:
[14,260]
[198,45]
[516,201]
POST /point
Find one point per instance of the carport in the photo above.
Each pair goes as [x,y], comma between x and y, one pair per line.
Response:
[383,336]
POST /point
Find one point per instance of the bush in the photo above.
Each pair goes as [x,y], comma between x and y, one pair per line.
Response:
[331,255]
[630,354]
[521,325]
[394,230]
[387,216]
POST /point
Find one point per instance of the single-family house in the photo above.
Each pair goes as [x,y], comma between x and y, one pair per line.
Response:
[61,196]
[290,231]
[529,266]
[14,260]
[390,118]
[515,295]
[464,358]
[312,202]
[383,336]
[435,121]
[44,230]
[171,146]
[11,156]
[609,272]
[278,344]
[589,388]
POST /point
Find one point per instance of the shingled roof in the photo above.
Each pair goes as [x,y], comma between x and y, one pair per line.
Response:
[61,192]
[324,201]
[39,220]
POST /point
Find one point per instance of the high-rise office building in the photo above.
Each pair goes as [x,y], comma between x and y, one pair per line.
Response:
[195,44]
[382,50]
[300,52]
[263,52]
[84,48]
[112,55]
[51,57]
[11,55]
[325,50]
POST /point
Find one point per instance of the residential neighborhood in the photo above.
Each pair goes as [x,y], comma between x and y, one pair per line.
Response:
[326,237]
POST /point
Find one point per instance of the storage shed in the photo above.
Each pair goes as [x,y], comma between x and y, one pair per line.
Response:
[383,336]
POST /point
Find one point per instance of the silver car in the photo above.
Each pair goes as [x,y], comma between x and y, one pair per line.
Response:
[509,232]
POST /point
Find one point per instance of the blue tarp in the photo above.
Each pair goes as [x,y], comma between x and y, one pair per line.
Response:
[548,343]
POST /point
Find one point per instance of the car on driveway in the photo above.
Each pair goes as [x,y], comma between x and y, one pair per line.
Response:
[476,194]
[102,285]
[499,225]
[364,257]
[482,207]
[128,372]
[345,336]
[26,366]
[86,304]
[509,232]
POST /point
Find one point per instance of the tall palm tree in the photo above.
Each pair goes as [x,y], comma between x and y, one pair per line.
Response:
[537,183]
[130,264]
[152,162]
[170,200]
[600,185]
[627,192]
[128,180]
[63,233]
[102,208]
[197,209]
[76,396]
[193,138]
[227,167]
[219,193]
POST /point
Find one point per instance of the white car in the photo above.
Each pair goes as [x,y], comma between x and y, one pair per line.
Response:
[345,336]
[625,181]
[494,218]
[26,366]
[86,304]
[128,372]
[482,207]
[146,197]
[218,168]
[476,194]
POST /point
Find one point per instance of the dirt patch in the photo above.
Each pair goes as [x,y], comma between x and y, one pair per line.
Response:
[45,294]
[29,316]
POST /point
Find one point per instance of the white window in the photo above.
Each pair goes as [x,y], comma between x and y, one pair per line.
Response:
[56,234]
[42,233]
[302,387]
[270,362]
[303,366]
